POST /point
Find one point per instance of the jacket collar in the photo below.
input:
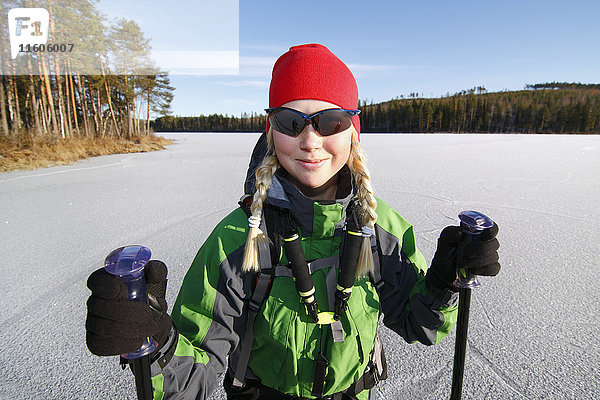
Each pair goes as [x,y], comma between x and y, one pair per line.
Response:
[284,194]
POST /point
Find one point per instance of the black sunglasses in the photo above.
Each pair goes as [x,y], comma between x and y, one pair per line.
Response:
[327,122]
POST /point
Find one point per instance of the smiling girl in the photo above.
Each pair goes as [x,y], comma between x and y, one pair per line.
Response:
[285,295]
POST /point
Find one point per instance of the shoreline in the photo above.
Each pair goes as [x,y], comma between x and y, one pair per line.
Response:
[41,154]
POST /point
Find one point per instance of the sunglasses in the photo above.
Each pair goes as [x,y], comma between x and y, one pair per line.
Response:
[327,122]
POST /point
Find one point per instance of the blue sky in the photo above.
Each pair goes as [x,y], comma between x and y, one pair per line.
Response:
[393,47]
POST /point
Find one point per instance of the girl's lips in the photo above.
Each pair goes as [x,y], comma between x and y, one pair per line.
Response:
[311,164]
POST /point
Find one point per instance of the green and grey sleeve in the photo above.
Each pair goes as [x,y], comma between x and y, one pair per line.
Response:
[209,314]
[409,308]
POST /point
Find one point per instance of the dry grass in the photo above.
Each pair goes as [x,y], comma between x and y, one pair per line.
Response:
[41,154]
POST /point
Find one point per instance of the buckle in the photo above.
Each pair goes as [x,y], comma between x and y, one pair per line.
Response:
[254,306]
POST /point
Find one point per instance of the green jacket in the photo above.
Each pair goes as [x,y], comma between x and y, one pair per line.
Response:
[211,309]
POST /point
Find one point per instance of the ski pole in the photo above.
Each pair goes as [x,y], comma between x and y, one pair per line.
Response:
[472,223]
[127,263]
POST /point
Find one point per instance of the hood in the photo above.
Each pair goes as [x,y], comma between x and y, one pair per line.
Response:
[259,152]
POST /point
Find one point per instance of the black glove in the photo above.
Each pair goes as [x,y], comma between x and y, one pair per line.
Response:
[116,326]
[480,257]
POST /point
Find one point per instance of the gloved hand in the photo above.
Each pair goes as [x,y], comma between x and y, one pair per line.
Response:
[480,257]
[116,326]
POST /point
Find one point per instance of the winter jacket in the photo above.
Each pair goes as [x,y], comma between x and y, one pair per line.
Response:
[211,309]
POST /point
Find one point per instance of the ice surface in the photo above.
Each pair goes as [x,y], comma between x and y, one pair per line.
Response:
[534,331]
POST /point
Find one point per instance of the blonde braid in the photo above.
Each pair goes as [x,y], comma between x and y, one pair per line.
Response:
[368,204]
[256,237]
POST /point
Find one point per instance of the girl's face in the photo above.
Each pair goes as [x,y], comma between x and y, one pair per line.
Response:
[312,160]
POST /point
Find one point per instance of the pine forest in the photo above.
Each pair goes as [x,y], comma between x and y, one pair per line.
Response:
[55,101]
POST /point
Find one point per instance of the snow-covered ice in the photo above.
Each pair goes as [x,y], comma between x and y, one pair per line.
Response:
[534,330]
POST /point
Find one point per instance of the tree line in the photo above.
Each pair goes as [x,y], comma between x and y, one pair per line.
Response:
[566,110]
[540,108]
[252,122]
[562,85]
[55,101]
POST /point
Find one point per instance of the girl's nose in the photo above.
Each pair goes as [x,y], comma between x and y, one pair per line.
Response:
[310,138]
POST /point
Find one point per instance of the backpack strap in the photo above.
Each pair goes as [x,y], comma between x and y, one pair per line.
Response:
[269,256]
[303,280]
[258,297]
[349,253]
[337,331]
[259,294]
[313,266]
[375,373]
[375,276]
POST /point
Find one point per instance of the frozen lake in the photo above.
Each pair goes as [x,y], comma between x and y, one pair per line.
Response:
[534,330]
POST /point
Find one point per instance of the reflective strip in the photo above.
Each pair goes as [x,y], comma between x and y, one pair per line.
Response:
[355,233]
[306,294]
[343,289]
[290,238]
[309,299]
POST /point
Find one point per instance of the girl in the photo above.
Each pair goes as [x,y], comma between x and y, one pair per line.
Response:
[285,295]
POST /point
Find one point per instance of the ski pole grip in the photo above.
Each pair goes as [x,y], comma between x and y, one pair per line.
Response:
[472,223]
[127,263]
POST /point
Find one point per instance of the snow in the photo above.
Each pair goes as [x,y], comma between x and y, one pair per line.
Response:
[533,334]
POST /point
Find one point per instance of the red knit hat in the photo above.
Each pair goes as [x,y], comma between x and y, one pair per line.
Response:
[311,71]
